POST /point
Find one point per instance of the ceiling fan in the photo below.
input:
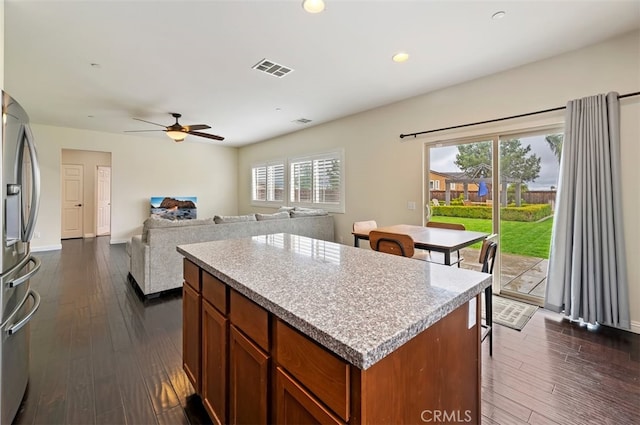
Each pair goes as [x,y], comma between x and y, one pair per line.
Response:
[178,132]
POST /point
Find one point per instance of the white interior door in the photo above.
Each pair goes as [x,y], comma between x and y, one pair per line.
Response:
[72,202]
[104,201]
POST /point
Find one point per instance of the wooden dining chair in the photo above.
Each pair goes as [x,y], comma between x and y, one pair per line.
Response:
[391,243]
[487,259]
[457,259]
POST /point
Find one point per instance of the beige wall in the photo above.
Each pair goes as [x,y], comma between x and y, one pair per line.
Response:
[90,162]
[141,167]
[383,173]
[1,44]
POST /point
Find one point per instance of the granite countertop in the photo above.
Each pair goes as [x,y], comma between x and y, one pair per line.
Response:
[359,304]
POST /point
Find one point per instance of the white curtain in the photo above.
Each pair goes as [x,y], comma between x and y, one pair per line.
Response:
[587,276]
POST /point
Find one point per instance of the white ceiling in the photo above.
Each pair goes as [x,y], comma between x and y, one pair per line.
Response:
[195,57]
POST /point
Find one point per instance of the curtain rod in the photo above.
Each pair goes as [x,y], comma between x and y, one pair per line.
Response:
[559,108]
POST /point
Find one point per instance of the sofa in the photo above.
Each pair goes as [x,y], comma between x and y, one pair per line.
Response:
[156,266]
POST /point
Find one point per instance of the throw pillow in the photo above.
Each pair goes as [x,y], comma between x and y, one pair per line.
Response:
[307,212]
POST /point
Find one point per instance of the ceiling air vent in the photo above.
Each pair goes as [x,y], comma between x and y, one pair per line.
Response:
[272,68]
[301,121]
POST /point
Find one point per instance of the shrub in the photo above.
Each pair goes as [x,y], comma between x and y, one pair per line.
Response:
[533,212]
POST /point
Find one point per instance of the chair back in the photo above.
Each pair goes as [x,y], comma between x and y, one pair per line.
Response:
[435,202]
[392,243]
[453,226]
[488,253]
[364,226]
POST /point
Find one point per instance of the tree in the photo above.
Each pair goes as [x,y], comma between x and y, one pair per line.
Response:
[555,144]
[475,159]
[517,164]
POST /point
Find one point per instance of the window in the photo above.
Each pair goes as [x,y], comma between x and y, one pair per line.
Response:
[434,184]
[452,186]
[317,181]
[267,183]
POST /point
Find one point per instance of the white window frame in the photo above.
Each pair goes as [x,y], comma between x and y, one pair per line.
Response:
[269,184]
[338,207]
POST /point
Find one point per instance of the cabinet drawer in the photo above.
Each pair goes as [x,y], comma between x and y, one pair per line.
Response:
[191,274]
[294,405]
[250,318]
[214,291]
[323,373]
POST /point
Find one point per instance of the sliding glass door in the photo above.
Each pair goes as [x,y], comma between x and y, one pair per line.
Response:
[506,185]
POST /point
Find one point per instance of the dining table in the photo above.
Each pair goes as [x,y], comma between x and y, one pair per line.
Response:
[435,239]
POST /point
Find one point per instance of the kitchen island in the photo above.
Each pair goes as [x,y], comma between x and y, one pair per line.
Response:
[287,329]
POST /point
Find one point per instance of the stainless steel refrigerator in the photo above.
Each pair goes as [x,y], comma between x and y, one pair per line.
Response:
[20,186]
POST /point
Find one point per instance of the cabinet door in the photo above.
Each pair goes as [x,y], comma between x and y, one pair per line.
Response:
[214,363]
[248,380]
[296,406]
[191,335]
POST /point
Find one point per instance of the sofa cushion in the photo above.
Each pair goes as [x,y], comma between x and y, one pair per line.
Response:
[155,222]
[275,216]
[307,212]
[220,219]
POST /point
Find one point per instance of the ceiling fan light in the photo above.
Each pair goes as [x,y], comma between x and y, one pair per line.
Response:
[313,6]
[177,136]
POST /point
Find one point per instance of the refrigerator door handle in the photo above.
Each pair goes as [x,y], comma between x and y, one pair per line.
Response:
[36,266]
[36,304]
[35,194]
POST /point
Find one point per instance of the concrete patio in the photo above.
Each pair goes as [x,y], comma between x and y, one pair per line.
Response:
[522,277]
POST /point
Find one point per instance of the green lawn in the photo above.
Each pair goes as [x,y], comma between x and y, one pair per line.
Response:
[517,237]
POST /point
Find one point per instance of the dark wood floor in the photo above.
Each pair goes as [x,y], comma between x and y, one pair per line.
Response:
[101,355]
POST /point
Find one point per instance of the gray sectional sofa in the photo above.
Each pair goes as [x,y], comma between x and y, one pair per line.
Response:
[156,266]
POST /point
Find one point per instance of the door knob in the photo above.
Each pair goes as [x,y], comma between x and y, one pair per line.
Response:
[78,205]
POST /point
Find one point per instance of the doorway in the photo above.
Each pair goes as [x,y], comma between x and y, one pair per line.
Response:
[502,184]
[88,214]
[72,200]
[103,207]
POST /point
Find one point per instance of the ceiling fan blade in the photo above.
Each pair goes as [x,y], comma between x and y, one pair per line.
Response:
[196,127]
[149,122]
[140,131]
[208,136]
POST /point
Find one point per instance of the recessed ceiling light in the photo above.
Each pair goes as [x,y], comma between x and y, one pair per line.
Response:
[313,6]
[400,57]
[499,15]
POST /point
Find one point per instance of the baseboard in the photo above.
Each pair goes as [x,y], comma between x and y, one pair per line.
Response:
[118,241]
[47,248]
[635,327]
[89,235]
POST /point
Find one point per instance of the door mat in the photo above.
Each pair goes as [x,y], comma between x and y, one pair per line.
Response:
[510,313]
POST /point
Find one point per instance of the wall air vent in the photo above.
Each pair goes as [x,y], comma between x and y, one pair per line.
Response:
[301,121]
[272,68]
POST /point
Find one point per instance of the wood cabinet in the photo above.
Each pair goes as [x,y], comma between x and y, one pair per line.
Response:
[322,372]
[215,334]
[250,367]
[295,405]
[248,381]
[191,322]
